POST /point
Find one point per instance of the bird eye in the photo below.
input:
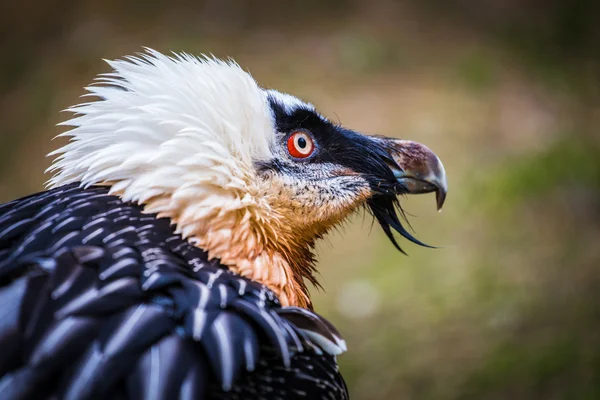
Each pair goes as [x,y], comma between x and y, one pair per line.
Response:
[300,145]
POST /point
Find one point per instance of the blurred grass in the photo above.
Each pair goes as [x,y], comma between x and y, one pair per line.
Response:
[505,92]
[569,163]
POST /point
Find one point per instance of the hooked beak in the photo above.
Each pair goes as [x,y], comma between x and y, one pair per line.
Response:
[421,171]
[415,169]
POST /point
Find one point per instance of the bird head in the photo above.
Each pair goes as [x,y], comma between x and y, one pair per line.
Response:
[252,176]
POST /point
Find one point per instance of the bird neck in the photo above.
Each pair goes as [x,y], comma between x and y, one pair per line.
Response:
[253,239]
[282,271]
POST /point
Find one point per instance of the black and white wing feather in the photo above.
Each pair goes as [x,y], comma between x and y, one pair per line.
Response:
[100,300]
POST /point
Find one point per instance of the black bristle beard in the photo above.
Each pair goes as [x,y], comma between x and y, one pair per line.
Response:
[386,209]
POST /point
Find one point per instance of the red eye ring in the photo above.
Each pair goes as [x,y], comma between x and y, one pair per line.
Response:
[300,145]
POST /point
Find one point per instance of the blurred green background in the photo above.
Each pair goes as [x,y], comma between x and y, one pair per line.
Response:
[507,93]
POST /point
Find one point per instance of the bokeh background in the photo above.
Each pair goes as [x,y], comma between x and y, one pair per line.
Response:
[506,92]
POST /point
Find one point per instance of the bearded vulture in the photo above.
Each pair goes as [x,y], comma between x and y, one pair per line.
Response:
[170,256]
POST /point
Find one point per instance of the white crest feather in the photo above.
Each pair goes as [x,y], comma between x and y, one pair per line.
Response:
[183,127]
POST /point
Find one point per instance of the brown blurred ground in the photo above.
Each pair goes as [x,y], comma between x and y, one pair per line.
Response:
[506,92]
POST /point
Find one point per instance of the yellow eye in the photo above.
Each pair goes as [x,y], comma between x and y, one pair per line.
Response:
[300,145]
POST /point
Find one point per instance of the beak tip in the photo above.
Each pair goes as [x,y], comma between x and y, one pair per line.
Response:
[440,198]
[441,184]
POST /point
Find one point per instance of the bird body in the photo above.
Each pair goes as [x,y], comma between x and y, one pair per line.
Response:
[101,300]
[170,256]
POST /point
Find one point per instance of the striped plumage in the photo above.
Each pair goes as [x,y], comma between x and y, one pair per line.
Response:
[99,301]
